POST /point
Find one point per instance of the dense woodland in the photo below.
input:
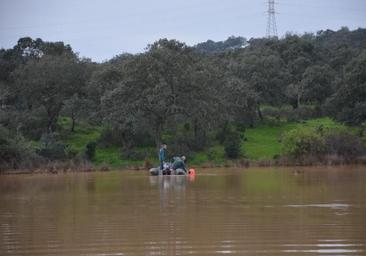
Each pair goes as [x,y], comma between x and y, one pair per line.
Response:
[189,97]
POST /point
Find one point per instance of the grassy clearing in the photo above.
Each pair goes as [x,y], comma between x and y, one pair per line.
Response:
[84,133]
[263,142]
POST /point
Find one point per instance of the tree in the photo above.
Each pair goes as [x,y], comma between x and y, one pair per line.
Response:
[263,71]
[232,144]
[48,82]
[317,83]
[157,88]
[240,101]
[295,90]
[76,107]
[349,102]
[105,78]
[229,44]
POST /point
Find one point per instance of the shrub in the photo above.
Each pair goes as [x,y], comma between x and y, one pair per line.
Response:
[215,154]
[32,124]
[273,113]
[90,150]
[363,132]
[232,144]
[117,137]
[109,137]
[344,144]
[16,151]
[353,116]
[271,121]
[134,154]
[302,113]
[184,141]
[222,133]
[51,148]
[147,164]
[301,143]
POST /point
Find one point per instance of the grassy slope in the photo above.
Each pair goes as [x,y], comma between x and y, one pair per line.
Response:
[85,133]
[263,142]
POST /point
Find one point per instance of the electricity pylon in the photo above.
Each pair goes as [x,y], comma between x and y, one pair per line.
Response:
[271,20]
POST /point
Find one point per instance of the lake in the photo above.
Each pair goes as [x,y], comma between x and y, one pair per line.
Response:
[256,211]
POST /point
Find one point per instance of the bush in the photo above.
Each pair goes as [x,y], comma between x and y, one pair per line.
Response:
[271,121]
[301,143]
[344,144]
[363,132]
[184,142]
[180,146]
[273,113]
[216,154]
[109,137]
[32,124]
[90,150]
[232,144]
[51,148]
[353,116]
[116,137]
[16,151]
[142,139]
[302,113]
[139,155]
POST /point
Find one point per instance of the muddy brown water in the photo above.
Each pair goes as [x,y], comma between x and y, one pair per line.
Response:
[282,211]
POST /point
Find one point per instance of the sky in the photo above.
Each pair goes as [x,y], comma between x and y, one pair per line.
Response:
[102,29]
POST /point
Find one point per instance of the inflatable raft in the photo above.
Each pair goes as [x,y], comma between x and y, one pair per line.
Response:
[155,172]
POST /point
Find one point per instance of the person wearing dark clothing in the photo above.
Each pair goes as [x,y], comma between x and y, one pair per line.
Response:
[179,164]
[162,155]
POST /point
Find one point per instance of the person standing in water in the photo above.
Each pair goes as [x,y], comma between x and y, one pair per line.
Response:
[162,155]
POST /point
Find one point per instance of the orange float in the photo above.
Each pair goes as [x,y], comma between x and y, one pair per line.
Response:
[192,172]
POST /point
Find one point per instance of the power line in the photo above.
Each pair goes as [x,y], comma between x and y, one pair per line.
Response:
[271,20]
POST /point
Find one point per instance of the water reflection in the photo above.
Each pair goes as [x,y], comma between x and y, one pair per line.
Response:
[168,182]
[171,188]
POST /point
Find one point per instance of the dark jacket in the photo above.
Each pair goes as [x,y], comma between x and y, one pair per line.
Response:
[179,164]
[162,155]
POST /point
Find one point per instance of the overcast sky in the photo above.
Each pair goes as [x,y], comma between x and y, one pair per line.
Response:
[101,29]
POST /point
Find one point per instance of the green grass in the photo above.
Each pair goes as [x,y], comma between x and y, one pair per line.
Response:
[214,154]
[263,142]
[84,133]
[112,156]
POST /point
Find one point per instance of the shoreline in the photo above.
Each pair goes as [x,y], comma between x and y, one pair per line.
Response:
[57,168]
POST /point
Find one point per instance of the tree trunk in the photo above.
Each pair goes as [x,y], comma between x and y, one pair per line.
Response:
[298,100]
[195,128]
[51,124]
[259,112]
[158,133]
[73,122]
[294,103]
[52,114]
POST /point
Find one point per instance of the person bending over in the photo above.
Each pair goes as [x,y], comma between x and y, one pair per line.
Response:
[179,164]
